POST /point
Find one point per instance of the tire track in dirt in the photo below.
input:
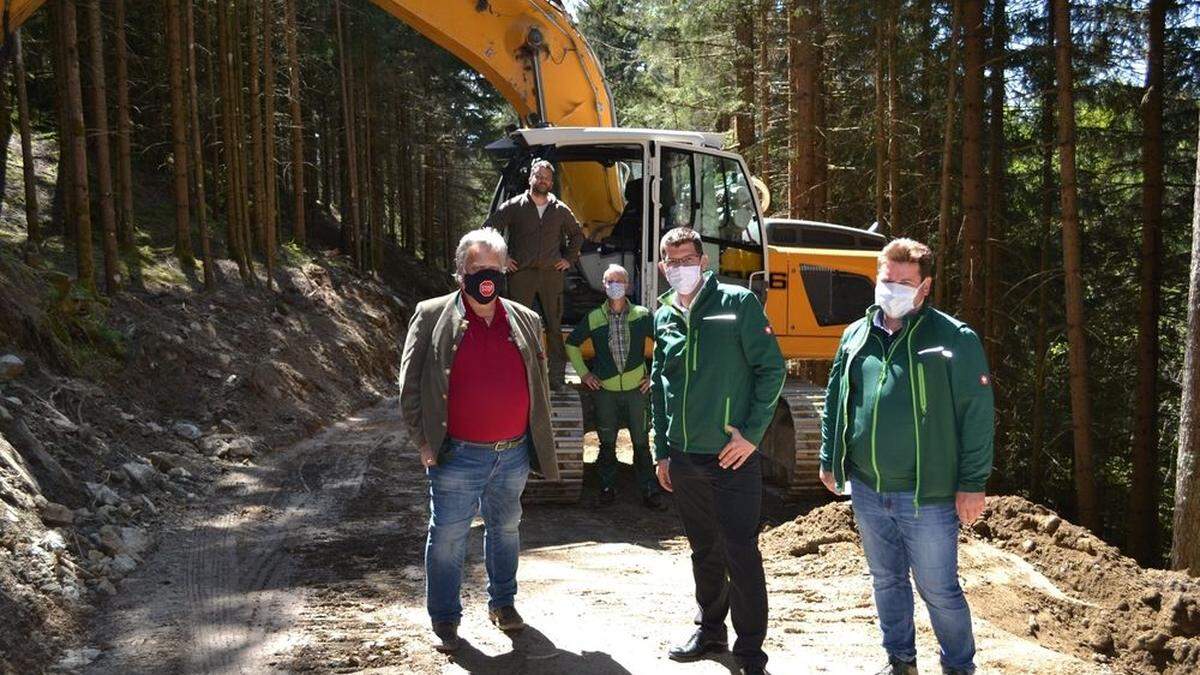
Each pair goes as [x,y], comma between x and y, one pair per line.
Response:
[219,595]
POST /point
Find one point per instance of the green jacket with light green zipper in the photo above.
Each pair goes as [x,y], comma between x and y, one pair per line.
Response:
[718,366]
[913,412]
[587,347]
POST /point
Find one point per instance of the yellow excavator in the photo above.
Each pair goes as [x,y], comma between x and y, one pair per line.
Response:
[627,187]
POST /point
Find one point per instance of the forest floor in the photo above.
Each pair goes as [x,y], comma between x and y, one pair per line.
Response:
[311,561]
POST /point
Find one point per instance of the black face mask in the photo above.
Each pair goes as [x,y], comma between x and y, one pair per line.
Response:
[485,285]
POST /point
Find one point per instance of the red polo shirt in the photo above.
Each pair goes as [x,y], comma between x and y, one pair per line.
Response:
[488,399]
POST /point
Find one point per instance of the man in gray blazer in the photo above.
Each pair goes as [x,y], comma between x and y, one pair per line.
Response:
[476,399]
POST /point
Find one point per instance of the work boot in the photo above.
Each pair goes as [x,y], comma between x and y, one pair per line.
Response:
[654,501]
[607,496]
[447,635]
[506,618]
[897,666]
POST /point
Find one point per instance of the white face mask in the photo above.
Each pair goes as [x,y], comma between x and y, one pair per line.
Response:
[896,300]
[684,279]
[614,290]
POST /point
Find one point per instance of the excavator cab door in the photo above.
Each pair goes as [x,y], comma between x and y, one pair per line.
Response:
[711,192]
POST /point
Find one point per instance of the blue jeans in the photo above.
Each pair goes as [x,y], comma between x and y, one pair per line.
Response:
[896,538]
[470,479]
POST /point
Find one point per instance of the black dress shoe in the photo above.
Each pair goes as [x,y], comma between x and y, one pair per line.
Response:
[447,635]
[697,647]
[654,502]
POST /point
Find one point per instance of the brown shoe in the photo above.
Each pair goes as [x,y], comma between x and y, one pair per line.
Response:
[447,635]
[506,618]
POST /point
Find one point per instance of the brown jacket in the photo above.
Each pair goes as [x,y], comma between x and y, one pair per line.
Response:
[434,332]
[535,241]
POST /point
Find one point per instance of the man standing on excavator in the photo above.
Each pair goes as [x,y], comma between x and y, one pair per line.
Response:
[544,241]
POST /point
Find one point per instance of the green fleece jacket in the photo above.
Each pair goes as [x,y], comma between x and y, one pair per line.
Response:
[587,347]
[715,367]
[913,412]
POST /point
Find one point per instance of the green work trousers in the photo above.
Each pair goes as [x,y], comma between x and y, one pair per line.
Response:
[616,410]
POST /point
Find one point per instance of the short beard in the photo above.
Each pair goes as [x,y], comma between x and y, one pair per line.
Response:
[538,191]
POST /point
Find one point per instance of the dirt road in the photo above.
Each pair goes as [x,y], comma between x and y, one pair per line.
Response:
[312,561]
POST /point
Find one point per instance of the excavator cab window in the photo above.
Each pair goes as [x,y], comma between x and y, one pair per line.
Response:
[711,193]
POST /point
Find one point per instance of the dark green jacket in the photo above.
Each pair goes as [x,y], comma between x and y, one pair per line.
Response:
[718,367]
[913,413]
[587,347]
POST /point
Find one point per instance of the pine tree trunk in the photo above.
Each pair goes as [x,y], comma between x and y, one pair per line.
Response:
[803,99]
[893,142]
[1185,547]
[250,224]
[407,213]
[299,228]
[64,189]
[351,154]
[880,121]
[820,198]
[269,173]
[974,225]
[33,228]
[77,148]
[1144,490]
[197,147]
[108,216]
[996,173]
[945,198]
[1088,504]
[743,66]
[179,115]
[763,89]
[126,222]
[230,128]
[257,153]
[1038,433]
[995,222]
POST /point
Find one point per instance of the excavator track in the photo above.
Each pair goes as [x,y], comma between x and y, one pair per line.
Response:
[793,443]
[566,421]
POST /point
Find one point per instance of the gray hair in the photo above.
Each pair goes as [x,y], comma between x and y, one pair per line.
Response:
[540,164]
[485,236]
[616,268]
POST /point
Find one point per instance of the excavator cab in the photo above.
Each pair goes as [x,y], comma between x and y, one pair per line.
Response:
[627,187]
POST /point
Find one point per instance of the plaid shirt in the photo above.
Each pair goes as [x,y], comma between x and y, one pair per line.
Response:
[618,335]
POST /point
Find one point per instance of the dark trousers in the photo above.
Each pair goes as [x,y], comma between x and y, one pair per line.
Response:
[616,410]
[720,511]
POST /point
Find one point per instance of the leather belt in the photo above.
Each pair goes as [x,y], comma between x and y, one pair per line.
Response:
[498,446]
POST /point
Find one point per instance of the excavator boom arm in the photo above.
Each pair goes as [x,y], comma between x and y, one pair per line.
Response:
[498,39]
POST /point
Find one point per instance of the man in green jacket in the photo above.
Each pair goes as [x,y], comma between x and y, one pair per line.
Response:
[611,350]
[716,378]
[908,423]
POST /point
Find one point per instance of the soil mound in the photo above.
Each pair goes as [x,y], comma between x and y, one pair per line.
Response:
[1029,571]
